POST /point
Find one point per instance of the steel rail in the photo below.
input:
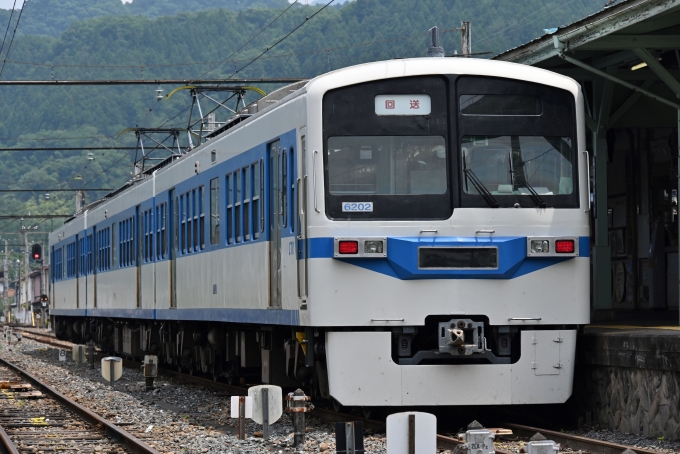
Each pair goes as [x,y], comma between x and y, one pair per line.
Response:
[6,445]
[575,442]
[124,437]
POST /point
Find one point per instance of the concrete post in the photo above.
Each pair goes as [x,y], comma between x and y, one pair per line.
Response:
[5,287]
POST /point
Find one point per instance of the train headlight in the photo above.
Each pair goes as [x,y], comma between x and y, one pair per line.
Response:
[373,247]
[540,246]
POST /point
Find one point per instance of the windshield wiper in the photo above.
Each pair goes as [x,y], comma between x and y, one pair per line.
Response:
[479,186]
[532,192]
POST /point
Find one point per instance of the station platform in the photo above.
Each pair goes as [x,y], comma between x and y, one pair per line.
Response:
[628,374]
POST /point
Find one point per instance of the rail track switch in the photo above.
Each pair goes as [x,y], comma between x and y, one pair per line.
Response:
[150,370]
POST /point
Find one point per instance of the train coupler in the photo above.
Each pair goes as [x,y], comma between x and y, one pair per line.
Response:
[462,337]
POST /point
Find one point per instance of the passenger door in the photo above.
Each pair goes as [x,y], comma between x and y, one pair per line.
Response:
[173,220]
[275,223]
[302,219]
[138,247]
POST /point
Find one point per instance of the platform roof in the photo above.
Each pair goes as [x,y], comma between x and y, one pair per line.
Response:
[613,41]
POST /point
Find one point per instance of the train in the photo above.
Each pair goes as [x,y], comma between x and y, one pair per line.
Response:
[412,232]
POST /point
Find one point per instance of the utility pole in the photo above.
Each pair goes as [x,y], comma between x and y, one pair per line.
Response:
[26,273]
[5,274]
[466,36]
[43,320]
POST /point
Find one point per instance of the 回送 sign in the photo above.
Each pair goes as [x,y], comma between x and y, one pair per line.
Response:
[403,105]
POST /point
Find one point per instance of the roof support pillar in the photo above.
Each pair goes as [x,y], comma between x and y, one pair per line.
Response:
[602,257]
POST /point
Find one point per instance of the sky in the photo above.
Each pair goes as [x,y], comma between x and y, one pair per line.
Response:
[7,4]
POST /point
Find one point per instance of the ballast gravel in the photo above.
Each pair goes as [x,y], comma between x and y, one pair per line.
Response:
[175,417]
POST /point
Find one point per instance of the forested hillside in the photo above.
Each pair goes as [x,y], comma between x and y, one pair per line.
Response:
[52,17]
[130,41]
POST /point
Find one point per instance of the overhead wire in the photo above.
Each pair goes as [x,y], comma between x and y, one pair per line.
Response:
[249,41]
[14,34]
[307,19]
[9,23]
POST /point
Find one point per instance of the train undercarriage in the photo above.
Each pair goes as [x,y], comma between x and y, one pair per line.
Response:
[235,353]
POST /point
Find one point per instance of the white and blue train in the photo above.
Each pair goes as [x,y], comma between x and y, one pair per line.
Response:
[398,233]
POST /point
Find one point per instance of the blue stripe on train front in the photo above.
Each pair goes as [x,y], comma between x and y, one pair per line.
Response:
[402,257]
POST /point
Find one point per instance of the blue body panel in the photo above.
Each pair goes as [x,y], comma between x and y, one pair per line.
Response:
[402,257]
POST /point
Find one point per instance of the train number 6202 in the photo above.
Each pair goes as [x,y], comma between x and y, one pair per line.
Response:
[357,206]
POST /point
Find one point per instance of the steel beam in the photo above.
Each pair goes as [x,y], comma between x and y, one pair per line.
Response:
[620,42]
[628,103]
[639,75]
[608,76]
[658,69]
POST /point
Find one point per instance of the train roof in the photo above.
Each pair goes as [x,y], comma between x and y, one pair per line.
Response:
[366,72]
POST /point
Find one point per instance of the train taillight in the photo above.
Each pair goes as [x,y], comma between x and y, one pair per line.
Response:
[564,246]
[348,247]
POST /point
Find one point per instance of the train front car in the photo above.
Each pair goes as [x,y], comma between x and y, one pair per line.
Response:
[448,237]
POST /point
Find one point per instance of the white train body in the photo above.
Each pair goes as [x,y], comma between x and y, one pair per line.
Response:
[447,304]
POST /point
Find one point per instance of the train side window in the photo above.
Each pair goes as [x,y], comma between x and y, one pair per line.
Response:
[145,237]
[230,209]
[157,229]
[291,184]
[89,254]
[201,216]
[284,188]
[106,248]
[131,241]
[246,203]
[164,225]
[81,257]
[256,200]
[237,205]
[195,213]
[123,243]
[262,195]
[214,211]
[183,228]
[114,245]
[151,235]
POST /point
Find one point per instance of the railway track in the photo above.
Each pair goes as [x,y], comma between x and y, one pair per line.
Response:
[34,417]
[521,433]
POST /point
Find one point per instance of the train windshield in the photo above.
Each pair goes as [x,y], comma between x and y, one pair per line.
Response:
[517,165]
[387,165]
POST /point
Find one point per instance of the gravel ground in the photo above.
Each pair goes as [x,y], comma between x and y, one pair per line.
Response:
[637,441]
[174,418]
[186,418]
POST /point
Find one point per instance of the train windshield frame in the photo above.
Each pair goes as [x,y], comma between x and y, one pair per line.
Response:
[516,143]
[386,150]
[389,146]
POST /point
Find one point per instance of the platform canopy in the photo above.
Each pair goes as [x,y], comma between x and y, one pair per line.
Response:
[627,59]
